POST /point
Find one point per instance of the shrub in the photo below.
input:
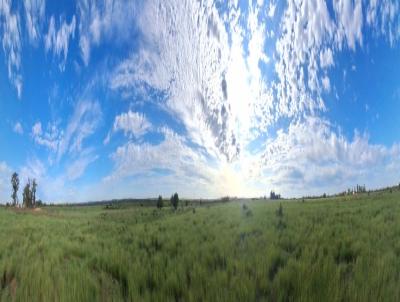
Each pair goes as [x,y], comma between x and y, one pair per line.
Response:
[112,206]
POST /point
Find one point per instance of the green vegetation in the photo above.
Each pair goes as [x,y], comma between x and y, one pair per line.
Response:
[332,249]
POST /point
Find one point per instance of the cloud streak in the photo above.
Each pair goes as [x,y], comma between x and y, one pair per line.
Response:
[58,40]
[12,45]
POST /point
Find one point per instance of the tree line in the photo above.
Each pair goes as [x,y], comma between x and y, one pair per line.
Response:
[28,193]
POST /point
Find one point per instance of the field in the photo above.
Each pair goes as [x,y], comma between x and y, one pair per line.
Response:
[339,249]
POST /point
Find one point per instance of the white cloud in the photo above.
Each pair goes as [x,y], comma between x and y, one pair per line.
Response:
[311,157]
[49,139]
[326,84]
[172,154]
[78,167]
[49,188]
[170,165]
[206,66]
[210,71]
[382,17]
[133,123]
[58,40]
[5,184]
[271,10]
[326,58]
[82,124]
[11,41]
[104,20]
[211,85]
[60,187]
[350,22]
[34,169]
[18,128]
[216,88]
[37,129]
[306,26]
[34,16]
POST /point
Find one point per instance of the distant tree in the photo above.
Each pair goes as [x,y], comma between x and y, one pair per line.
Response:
[33,197]
[15,187]
[26,195]
[175,200]
[273,195]
[39,203]
[160,202]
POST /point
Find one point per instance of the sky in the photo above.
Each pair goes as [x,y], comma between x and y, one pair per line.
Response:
[115,98]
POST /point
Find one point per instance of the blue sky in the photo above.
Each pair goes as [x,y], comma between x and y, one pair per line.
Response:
[112,99]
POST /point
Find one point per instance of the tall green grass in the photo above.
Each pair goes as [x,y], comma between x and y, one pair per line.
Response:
[341,249]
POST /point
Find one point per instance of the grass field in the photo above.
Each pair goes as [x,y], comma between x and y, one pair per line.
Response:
[340,249]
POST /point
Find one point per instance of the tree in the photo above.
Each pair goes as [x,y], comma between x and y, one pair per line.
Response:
[175,200]
[15,187]
[33,197]
[273,195]
[160,202]
[26,195]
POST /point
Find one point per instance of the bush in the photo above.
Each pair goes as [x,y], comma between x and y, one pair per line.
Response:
[112,206]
